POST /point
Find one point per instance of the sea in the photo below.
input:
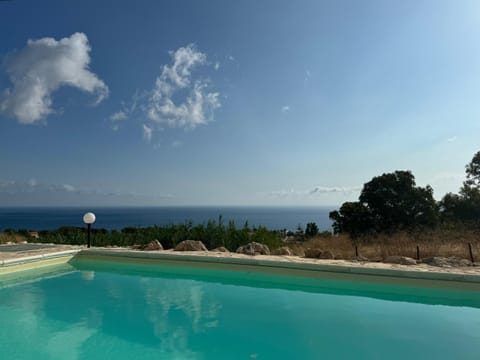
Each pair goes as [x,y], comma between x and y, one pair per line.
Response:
[273,218]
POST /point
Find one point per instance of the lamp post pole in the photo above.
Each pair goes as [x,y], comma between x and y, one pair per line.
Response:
[89,219]
[89,226]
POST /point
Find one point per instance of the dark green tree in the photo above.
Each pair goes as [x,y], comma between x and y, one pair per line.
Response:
[311,230]
[464,207]
[353,218]
[388,203]
[396,203]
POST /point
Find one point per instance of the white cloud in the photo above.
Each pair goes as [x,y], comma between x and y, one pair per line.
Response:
[318,190]
[177,144]
[118,116]
[216,66]
[452,139]
[12,187]
[43,66]
[334,189]
[68,188]
[198,106]
[285,108]
[147,132]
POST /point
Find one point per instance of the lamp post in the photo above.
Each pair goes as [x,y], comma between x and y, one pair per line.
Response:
[89,219]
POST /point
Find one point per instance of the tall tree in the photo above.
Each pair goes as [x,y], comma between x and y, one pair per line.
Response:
[388,203]
[396,203]
[464,207]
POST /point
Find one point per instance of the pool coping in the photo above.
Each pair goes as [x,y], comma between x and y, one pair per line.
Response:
[404,272]
[40,260]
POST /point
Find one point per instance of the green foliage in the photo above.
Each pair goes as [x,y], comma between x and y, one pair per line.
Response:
[465,206]
[388,203]
[213,234]
[264,236]
[311,230]
[353,218]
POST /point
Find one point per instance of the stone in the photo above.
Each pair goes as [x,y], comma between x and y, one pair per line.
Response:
[284,250]
[327,254]
[360,258]
[254,248]
[446,262]
[402,260]
[190,245]
[313,253]
[221,249]
[152,246]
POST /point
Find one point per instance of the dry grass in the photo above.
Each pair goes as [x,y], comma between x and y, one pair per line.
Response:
[435,243]
[6,238]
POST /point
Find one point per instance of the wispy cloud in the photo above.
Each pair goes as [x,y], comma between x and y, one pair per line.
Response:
[13,187]
[118,116]
[179,99]
[177,144]
[318,190]
[127,109]
[452,139]
[199,104]
[285,108]
[42,67]
[147,132]
[334,189]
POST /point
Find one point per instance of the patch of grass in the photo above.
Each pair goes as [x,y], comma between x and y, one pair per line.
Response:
[6,238]
[442,242]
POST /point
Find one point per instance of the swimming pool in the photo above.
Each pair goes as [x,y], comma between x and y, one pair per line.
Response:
[90,309]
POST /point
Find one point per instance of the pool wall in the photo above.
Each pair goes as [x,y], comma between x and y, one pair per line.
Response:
[36,261]
[253,264]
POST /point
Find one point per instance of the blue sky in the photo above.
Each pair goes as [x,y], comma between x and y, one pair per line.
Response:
[233,103]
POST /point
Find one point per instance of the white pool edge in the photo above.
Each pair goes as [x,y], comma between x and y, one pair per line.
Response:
[259,262]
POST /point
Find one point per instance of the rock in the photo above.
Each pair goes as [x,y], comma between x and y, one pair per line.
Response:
[318,254]
[153,245]
[327,254]
[402,260]
[190,245]
[254,248]
[360,258]
[221,249]
[312,253]
[446,262]
[284,250]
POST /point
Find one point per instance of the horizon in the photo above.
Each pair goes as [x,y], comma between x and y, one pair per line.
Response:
[216,104]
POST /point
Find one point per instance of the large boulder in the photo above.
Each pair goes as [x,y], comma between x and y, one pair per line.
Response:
[315,253]
[221,249]
[284,250]
[254,248]
[446,262]
[402,260]
[190,245]
[152,246]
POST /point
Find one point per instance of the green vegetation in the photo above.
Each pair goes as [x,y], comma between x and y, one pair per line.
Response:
[392,203]
[213,234]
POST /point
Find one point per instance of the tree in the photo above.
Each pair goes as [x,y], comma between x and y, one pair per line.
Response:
[473,172]
[390,202]
[353,218]
[311,230]
[395,203]
[465,206]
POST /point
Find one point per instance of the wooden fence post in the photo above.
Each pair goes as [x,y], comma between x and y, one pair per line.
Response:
[470,251]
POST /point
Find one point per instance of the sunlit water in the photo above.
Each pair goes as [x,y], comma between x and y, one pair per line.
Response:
[127,311]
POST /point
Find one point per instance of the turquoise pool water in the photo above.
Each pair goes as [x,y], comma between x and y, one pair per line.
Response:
[107,310]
